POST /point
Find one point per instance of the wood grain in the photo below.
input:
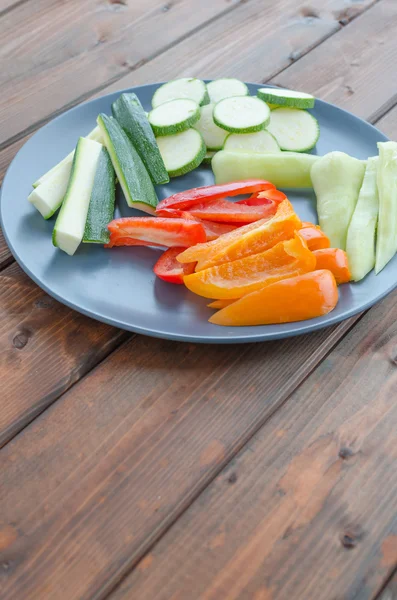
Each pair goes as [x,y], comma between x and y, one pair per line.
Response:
[115,460]
[87,45]
[307,509]
[6,5]
[354,68]
[44,348]
[390,591]
[388,123]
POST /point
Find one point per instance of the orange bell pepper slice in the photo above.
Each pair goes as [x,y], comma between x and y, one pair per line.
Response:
[295,299]
[315,238]
[221,303]
[235,279]
[335,260]
[244,241]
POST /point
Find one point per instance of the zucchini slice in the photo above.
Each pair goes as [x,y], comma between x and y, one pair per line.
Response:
[295,130]
[131,172]
[226,88]
[261,142]
[101,207]
[70,224]
[209,155]
[182,152]
[241,114]
[187,87]
[286,98]
[386,242]
[214,137]
[174,116]
[133,119]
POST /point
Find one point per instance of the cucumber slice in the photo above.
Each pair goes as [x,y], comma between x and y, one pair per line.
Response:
[187,87]
[209,155]
[286,98]
[360,244]
[261,142]
[337,179]
[226,88]
[386,242]
[66,163]
[131,172]
[174,116]
[213,135]
[182,152]
[284,169]
[69,226]
[101,207]
[294,129]
[133,119]
[241,114]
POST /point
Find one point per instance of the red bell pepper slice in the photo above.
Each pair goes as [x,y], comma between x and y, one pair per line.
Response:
[184,200]
[260,198]
[224,211]
[153,231]
[212,230]
[169,269]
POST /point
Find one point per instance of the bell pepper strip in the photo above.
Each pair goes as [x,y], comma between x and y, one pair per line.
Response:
[295,299]
[184,200]
[260,198]
[240,277]
[212,230]
[169,269]
[144,231]
[224,211]
[221,303]
[250,239]
[315,238]
[335,260]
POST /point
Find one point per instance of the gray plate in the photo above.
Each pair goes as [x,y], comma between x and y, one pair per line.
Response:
[118,286]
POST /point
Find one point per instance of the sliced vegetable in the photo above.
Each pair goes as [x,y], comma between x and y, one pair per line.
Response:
[213,136]
[226,88]
[48,196]
[153,231]
[337,179]
[240,277]
[133,119]
[65,165]
[169,269]
[174,116]
[209,155]
[187,87]
[221,303]
[101,207]
[315,238]
[295,299]
[294,129]
[260,142]
[241,114]
[265,197]
[224,211]
[290,98]
[284,169]
[69,226]
[245,241]
[182,152]
[360,243]
[334,260]
[386,242]
[131,172]
[184,200]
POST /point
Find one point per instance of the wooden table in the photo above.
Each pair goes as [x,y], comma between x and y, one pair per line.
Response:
[135,468]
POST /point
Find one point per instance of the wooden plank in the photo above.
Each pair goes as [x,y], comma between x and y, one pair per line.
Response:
[355,68]
[118,457]
[390,591]
[45,348]
[87,45]
[308,508]
[6,5]
[388,123]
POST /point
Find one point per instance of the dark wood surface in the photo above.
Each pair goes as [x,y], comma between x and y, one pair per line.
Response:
[139,468]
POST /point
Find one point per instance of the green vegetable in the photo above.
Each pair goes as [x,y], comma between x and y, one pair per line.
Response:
[337,179]
[284,169]
[261,142]
[241,114]
[295,130]
[182,152]
[70,224]
[133,119]
[187,87]
[226,88]
[101,207]
[131,172]
[286,98]
[174,116]
[386,243]
[360,244]
[213,135]
[209,155]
